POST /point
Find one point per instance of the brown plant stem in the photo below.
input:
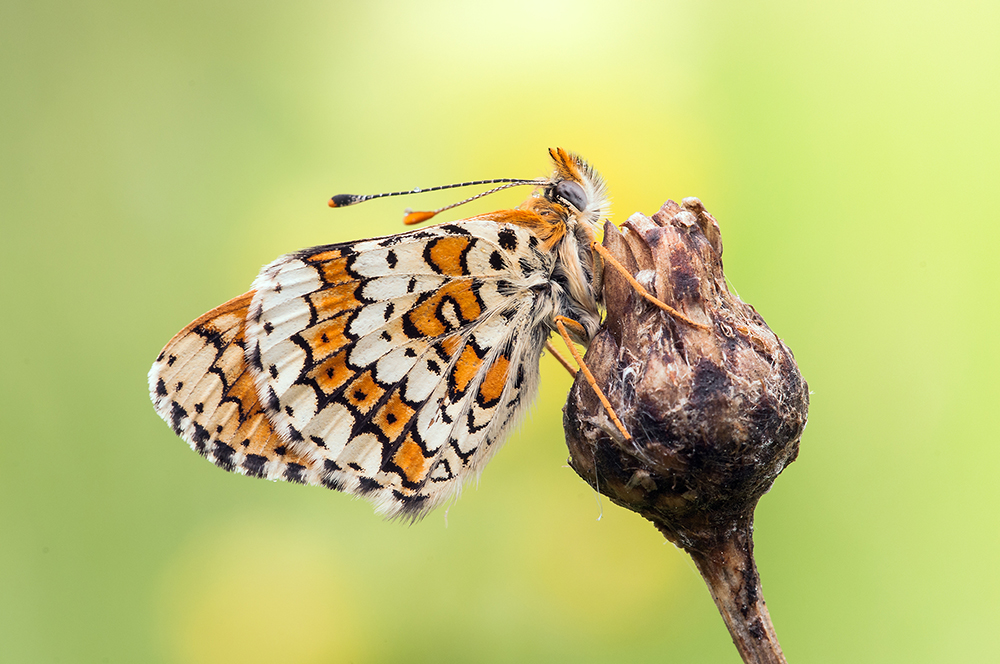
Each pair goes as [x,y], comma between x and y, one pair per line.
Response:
[731,575]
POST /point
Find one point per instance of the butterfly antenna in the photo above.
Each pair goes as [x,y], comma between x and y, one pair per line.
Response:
[344,200]
[417,217]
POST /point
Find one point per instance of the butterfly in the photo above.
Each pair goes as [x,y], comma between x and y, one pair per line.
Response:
[391,368]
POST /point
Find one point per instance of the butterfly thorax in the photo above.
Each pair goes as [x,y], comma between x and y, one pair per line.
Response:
[569,209]
[575,281]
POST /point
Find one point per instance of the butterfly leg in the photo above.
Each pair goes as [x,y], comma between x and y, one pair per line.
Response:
[561,323]
[613,262]
[562,360]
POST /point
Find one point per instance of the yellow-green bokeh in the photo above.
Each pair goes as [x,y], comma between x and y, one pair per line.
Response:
[154,155]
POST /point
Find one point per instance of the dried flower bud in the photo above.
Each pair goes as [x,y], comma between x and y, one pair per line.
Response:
[715,414]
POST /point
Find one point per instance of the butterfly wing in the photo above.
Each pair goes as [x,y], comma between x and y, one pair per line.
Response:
[396,365]
[201,386]
[389,368]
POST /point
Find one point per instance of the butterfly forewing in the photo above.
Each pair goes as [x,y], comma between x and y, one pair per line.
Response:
[200,384]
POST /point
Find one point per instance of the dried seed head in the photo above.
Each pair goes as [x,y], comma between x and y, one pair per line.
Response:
[715,413]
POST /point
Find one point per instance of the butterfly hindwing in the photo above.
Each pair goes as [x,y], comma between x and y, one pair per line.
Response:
[395,364]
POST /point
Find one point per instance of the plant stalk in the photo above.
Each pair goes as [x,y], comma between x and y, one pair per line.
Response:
[731,575]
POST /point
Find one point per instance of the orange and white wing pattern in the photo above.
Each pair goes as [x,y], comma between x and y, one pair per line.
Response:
[390,368]
[398,363]
[201,385]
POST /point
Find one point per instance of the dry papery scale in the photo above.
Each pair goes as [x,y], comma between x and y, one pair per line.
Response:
[715,414]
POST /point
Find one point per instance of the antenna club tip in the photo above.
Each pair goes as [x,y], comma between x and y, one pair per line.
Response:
[417,217]
[342,200]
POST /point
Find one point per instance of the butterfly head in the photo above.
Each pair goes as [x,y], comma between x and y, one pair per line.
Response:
[577,187]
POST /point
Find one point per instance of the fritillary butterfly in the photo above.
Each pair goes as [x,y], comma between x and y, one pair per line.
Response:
[390,368]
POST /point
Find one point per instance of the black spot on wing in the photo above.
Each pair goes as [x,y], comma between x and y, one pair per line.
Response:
[508,239]
[331,482]
[253,358]
[271,400]
[223,456]
[452,229]
[253,464]
[255,312]
[177,414]
[199,436]
[294,473]
[411,506]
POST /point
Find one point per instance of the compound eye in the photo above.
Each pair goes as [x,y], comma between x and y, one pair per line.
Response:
[573,194]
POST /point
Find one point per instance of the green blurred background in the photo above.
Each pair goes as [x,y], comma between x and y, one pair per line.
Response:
[154,155]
